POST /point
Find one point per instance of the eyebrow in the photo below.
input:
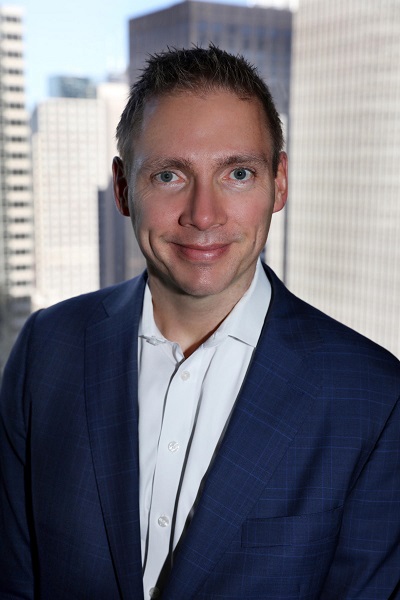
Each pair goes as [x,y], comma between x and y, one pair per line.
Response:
[243,159]
[166,163]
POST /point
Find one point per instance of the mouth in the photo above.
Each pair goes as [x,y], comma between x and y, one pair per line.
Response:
[201,253]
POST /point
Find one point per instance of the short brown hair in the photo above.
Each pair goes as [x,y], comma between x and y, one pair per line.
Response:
[196,69]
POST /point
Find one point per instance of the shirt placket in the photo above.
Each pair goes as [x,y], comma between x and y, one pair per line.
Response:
[180,408]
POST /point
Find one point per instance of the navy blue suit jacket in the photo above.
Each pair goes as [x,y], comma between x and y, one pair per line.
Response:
[302,501]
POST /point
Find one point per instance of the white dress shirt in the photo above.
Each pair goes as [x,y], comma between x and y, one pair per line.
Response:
[183,408]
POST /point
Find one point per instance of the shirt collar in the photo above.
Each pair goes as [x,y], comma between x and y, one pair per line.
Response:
[147,327]
[243,323]
[246,320]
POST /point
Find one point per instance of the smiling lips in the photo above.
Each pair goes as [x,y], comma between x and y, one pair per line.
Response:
[201,253]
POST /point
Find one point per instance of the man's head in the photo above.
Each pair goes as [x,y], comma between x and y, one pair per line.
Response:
[195,70]
[202,172]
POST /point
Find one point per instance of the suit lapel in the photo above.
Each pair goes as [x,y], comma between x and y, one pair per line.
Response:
[275,399]
[112,413]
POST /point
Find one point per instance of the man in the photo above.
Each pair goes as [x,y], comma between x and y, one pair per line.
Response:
[199,432]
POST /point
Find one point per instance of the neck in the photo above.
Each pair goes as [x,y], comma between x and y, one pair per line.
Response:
[189,320]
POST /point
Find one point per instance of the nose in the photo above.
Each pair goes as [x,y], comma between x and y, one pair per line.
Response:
[204,208]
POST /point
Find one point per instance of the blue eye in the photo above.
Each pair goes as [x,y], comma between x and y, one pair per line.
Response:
[241,174]
[166,176]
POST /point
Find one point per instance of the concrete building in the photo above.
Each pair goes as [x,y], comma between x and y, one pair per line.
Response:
[120,257]
[69,166]
[69,86]
[344,217]
[16,214]
[78,229]
[263,35]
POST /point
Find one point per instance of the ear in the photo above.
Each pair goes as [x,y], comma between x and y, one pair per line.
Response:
[120,185]
[281,183]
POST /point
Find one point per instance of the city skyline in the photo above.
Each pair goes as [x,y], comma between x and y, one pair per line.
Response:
[344,261]
[58,39]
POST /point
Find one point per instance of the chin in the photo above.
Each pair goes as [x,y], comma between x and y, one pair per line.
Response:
[207,287]
[202,281]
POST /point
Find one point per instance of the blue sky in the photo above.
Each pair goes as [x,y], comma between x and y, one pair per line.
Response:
[80,37]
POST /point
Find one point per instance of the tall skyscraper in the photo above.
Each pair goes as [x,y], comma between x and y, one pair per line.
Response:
[16,216]
[69,166]
[344,207]
[73,142]
[263,35]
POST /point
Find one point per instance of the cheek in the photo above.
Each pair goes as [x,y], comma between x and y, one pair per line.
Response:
[138,203]
[151,221]
[257,215]
[258,224]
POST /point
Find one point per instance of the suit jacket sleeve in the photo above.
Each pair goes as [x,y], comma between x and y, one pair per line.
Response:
[16,572]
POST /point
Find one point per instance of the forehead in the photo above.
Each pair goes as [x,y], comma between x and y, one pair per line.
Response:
[205,121]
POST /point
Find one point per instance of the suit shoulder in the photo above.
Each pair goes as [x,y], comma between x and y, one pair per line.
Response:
[341,339]
[313,332]
[55,335]
[79,312]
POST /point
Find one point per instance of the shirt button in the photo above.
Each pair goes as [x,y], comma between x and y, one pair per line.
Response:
[185,375]
[154,592]
[163,521]
[173,446]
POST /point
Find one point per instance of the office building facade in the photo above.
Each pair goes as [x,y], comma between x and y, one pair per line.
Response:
[344,211]
[69,166]
[70,86]
[16,213]
[77,225]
